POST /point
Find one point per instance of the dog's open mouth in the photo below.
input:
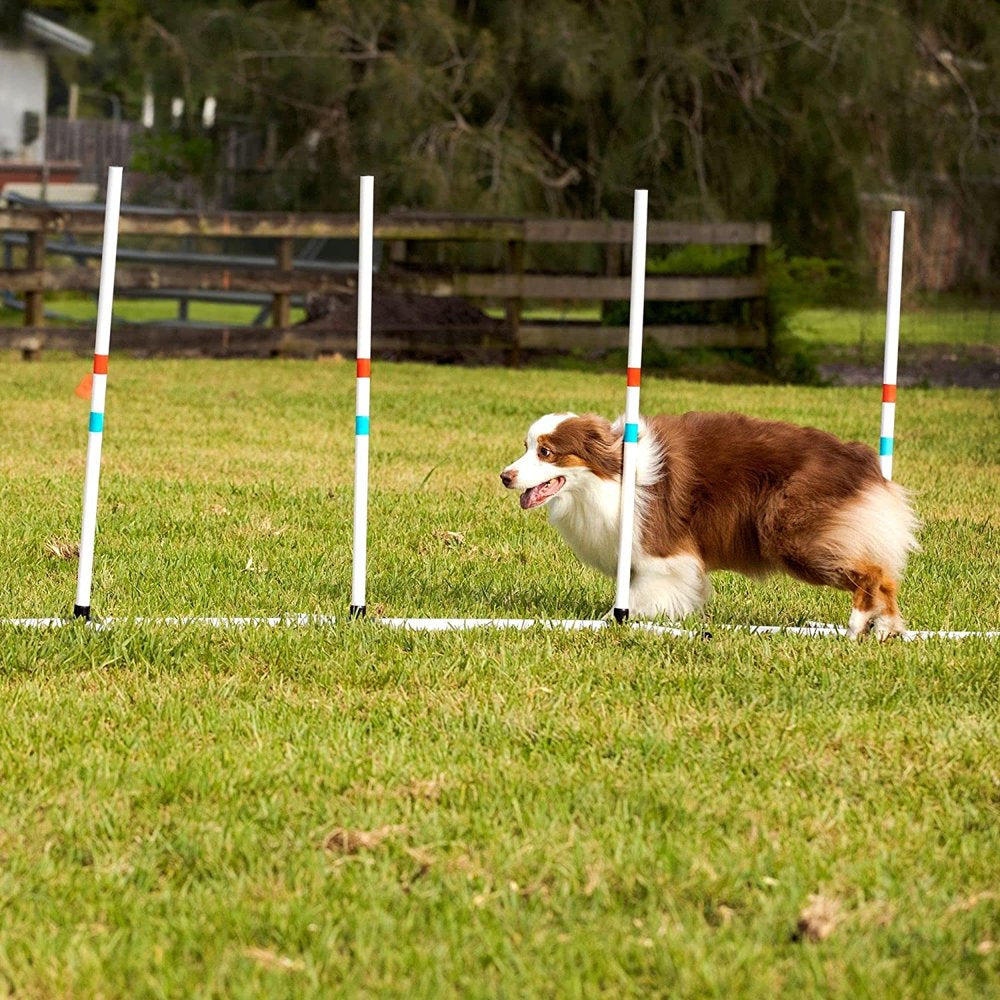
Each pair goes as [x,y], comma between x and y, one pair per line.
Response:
[541,493]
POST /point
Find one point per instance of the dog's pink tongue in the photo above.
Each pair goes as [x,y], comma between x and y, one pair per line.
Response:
[530,498]
[539,494]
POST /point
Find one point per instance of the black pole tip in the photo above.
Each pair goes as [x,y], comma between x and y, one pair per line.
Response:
[358,610]
[79,611]
[621,615]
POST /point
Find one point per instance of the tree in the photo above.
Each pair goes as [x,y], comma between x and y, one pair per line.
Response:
[723,108]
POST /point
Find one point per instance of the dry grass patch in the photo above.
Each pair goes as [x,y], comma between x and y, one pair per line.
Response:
[272,960]
[427,789]
[818,919]
[61,548]
[344,841]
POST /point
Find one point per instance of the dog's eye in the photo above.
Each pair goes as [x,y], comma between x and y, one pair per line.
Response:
[544,453]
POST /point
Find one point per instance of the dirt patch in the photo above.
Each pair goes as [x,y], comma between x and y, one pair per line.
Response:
[975,367]
[407,325]
[395,312]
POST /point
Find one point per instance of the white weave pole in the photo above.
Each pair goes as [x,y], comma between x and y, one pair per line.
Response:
[630,444]
[886,439]
[95,435]
[362,411]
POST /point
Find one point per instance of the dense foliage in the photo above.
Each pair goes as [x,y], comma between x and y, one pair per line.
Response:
[723,108]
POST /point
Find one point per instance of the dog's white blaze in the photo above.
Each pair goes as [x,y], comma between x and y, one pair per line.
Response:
[531,470]
[546,425]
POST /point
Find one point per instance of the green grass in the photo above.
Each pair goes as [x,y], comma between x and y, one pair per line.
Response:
[84,310]
[603,814]
[570,312]
[858,335]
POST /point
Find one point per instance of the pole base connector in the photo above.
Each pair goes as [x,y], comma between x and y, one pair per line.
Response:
[621,615]
[358,610]
[79,611]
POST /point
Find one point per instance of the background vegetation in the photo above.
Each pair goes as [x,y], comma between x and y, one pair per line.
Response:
[792,112]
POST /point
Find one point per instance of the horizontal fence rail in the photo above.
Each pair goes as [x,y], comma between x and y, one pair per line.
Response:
[46,251]
[411,226]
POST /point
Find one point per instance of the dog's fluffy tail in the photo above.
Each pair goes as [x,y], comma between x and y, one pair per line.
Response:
[878,527]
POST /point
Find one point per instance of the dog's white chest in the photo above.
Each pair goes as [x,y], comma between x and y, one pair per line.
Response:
[588,521]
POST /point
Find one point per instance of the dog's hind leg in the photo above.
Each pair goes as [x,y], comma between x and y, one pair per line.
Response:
[888,622]
[874,604]
[670,587]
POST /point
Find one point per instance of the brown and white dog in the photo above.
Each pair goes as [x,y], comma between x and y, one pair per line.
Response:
[724,491]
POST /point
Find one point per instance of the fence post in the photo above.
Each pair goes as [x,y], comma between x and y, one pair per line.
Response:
[612,269]
[34,303]
[397,251]
[512,306]
[757,265]
[281,313]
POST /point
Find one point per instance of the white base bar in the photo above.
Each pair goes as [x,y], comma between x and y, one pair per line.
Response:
[523,624]
[470,624]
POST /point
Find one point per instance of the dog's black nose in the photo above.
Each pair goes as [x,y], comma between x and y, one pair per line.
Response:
[507,477]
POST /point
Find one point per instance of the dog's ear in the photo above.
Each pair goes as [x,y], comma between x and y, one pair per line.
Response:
[600,448]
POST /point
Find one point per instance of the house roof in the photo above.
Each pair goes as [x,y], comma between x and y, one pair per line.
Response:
[46,31]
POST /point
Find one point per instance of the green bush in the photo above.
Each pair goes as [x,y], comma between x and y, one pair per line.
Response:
[818,281]
[174,154]
[787,358]
[694,260]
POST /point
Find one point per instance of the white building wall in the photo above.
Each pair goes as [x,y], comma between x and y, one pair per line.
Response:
[23,87]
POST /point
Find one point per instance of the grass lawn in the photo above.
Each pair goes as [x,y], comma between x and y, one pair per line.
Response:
[84,310]
[351,811]
[858,335]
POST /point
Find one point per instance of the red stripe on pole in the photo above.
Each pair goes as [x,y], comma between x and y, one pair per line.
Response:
[100,364]
[364,367]
[632,376]
[888,394]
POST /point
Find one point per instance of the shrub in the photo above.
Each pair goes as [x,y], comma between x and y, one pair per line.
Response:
[786,358]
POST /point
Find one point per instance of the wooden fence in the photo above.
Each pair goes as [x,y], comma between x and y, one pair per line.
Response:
[92,144]
[52,261]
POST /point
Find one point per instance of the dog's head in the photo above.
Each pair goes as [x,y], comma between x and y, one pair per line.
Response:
[562,451]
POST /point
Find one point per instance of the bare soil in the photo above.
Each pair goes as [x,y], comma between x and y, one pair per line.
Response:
[970,367]
[407,326]
[397,312]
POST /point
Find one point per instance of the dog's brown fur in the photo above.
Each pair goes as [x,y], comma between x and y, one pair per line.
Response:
[760,497]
